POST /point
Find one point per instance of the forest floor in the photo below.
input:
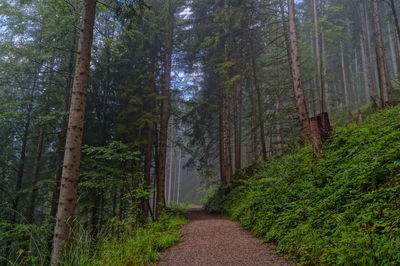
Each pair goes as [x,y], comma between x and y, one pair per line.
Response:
[211,239]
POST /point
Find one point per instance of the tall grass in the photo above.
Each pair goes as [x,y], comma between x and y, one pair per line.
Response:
[121,243]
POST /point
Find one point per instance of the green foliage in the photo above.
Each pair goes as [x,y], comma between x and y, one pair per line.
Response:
[340,209]
[23,244]
[120,244]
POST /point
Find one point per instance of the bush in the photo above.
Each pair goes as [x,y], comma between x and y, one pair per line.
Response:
[340,209]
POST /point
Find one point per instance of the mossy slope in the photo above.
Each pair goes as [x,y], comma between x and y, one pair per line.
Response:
[343,208]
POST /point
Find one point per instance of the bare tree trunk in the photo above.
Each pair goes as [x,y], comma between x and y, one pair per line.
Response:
[384,81]
[238,127]
[225,141]
[147,171]
[260,116]
[224,110]
[318,58]
[324,73]
[165,111]
[253,130]
[179,175]
[296,76]
[35,177]
[395,63]
[365,70]
[371,70]
[169,179]
[356,78]
[344,77]
[396,19]
[70,173]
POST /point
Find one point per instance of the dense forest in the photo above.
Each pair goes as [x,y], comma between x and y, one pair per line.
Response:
[114,112]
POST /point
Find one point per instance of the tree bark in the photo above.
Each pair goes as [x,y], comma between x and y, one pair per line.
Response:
[318,58]
[179,176]
[147,171]
[384,81]
[62,137]
[395,17]
[35,178]
[225,142]
[344,76]
[365,70]
[296,76]
[395,63]
[170,167]
[165,111]
[71,166]
[238,127]
[260,116]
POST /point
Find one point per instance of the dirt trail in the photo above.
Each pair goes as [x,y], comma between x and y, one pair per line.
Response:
[215,240]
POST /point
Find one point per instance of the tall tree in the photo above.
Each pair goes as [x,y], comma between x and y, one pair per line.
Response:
[384,81]
[318,57]
[296,75]
[71,166]
[165,107]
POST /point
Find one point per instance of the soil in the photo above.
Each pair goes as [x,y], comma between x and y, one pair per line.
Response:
[211,240]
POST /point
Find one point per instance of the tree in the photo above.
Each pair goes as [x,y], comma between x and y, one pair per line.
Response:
[70,176]
[296,75]
[165,107]
[384,81]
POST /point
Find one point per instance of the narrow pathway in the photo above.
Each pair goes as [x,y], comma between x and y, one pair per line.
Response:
[210,240]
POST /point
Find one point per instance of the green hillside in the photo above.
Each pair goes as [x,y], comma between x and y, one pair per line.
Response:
[343,208]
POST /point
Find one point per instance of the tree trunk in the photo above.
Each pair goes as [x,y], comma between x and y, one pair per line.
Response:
[70,173]
[169,179]
[260,116]
[395,63]
[365,70]
[396,19]
[318,58]
[253,130]
[225,142]
[371,70]
[384,81]
[324,73]
[296,76]
[147,171]
[35,178]
[21,167]
[165,111]
[238,127]
[62,137]
[179,176]
[344,77]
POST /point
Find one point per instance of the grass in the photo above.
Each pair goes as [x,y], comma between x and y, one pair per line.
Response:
[343,208]
[122,245]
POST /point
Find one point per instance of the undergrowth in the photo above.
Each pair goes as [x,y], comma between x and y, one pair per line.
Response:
[343,208]
[124,245]
[120,242]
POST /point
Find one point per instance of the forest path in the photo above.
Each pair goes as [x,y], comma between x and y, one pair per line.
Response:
[215,240]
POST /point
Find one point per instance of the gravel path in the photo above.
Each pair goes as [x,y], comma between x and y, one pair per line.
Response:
[215,240]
